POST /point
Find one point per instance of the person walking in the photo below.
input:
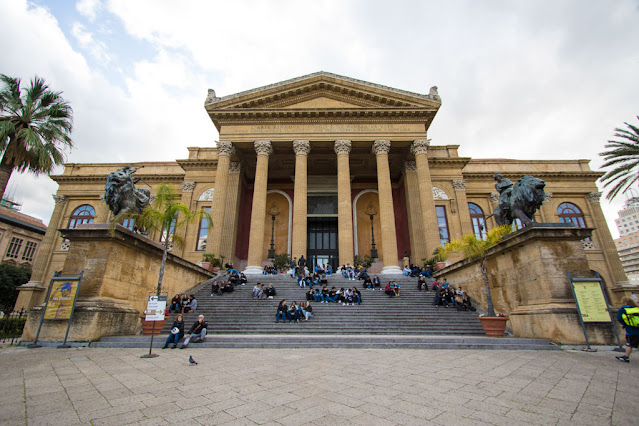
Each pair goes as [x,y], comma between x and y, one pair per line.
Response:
[628,316]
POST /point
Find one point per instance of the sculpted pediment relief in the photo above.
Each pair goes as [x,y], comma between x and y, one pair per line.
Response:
[325,102]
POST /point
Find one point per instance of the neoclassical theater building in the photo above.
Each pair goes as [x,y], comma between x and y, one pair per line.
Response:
[322,164]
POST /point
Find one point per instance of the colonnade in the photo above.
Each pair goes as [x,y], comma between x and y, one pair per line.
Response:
[302,149]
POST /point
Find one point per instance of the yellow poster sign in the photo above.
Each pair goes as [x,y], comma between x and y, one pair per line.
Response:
[61,299]
[591,301]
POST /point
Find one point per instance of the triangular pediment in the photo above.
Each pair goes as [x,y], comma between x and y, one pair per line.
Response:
[323,90]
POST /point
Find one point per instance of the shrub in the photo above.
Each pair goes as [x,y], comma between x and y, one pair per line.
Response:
[364,261]
[282,262]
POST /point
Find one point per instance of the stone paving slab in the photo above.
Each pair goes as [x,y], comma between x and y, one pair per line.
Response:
[100,386]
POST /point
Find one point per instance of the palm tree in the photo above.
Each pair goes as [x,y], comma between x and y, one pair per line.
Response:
[473,247]
[165,217]
[35,124]
[623,156]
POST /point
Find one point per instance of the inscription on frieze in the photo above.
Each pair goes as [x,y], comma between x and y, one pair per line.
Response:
[323,128]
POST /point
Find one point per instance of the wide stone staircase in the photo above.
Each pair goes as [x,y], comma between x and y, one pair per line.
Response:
[408,321]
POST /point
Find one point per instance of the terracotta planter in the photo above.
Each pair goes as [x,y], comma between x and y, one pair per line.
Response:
[206,265]
[215,269]
[494,326]
[147,327]
[439,265]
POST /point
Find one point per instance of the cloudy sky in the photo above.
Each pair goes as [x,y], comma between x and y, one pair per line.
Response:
[518,79]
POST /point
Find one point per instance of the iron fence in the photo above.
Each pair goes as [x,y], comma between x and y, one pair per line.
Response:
[11,326]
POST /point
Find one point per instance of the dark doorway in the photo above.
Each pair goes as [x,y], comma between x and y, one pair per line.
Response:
[322,242]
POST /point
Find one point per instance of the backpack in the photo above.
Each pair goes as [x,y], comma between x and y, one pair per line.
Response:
[631,317]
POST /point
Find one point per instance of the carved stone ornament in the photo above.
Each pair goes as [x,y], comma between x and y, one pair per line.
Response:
[65,245]
[210,97]
[188,186]
[263,147]
[547,197]
[459,184]
[420,146]
[301,147]
[439,194]
[381,147]
[434,95]
[493,197]
[342,146]
[225,148]
[235,167]
[59,199]
[593,197]
[588,245]
[207,195]
[410,165]
[103,198]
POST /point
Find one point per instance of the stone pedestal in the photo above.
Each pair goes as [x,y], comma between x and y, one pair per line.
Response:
[529,283]
[120,271]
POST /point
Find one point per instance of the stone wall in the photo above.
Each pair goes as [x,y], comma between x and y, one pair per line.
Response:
[529,283]
[120,271]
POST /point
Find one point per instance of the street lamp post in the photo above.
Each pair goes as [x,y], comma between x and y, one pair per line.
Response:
[273,211]
[371,212]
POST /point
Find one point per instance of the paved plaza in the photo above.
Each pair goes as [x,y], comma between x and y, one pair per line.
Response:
[315,386]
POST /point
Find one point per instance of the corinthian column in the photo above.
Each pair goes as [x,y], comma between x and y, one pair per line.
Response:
[31,292]
[344,209]
[429,216]
[258,212]
[414,209]
[386,212]
[302,149]
[214,244]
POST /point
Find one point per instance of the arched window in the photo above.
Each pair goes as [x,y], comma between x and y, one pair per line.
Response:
[83,214]
[570,213]
[477,220]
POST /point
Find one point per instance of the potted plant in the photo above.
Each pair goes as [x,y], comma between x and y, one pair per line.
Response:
[366,261]
[473,247]
[207,261]
[439,257]
[282,262]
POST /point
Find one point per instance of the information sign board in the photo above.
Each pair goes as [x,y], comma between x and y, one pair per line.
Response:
[61,298]
[155,308]
[592,304]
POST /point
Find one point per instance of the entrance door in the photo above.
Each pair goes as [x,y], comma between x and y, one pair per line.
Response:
[322,242]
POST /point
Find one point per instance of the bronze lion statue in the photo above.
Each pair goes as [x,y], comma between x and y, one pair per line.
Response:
[518,201]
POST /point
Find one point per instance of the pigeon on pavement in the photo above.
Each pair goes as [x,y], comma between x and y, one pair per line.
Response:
[191,360]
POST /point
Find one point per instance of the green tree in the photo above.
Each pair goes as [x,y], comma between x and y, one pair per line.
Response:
[11,277]
[164,217]
[35,127]
[473,247]
[623,158]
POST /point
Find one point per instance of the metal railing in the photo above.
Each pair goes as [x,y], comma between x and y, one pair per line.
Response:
[11,326]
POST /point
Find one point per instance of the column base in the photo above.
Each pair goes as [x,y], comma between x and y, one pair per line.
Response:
[253,270]
[391,270]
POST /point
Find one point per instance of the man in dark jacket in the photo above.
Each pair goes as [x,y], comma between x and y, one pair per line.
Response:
[632,332]
[197,332]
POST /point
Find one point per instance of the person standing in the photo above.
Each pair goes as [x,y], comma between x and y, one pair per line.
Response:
[197,332]
[628,316]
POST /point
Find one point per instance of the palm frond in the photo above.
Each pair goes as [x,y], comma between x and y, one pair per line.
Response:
[623,157]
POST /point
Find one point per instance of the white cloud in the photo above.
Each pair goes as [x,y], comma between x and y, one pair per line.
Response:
[88,8]
[96,48]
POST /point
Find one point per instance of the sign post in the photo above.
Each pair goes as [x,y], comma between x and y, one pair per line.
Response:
[155,310]
[592,305]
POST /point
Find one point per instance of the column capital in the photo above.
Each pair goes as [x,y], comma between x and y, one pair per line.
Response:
[420,146]
[593,197]
[188,186]
[263,147]
[225,148]
[59,199]
[410,165]
[459,184]
[547,196]
[235,167]
[381,146]
[493,197]
[342,146]
[301,147]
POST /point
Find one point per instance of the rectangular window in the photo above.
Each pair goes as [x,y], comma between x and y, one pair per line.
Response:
[29,251]
[442,223]
[203,232]
[14,247]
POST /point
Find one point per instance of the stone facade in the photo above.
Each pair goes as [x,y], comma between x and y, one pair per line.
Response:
[324,148]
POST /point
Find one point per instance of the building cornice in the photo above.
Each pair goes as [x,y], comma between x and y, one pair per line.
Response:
[540,174]
[195,164]
[158,178]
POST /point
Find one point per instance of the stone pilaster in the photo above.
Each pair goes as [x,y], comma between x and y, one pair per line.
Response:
[230,220]
[606,243]
[302,149]
[546,211]
[414,210]
[429,215]
[187,197]
[459,185]
[32,292]
[344,206]
[381,149]
[214,239]
[258,212]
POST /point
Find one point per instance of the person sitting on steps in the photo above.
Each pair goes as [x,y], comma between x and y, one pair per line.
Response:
[197,332]
[175,337]
[282,311]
